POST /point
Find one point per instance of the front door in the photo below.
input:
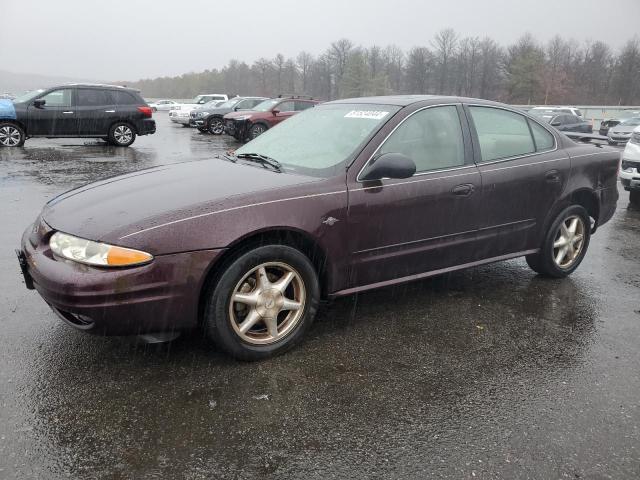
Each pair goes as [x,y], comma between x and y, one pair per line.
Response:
[523,175]
[402,228]
[56,117]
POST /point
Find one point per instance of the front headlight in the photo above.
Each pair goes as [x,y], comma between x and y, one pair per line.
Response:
[95,253]
[203,114]
[635,138]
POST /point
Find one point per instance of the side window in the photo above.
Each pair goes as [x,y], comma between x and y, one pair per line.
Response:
[123,98]
[58,98]
[303,106]
[501,133]
[286,107]
[92,97]
[245,104]
[253,103]
[432,138]
[544,140]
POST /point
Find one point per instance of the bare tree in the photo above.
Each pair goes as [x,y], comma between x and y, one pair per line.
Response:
[444,44]
[304,63]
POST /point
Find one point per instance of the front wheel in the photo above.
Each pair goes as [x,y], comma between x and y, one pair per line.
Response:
[11,135]
[256,130]
[216,126]
[634,198]
[262,303]
[564,245]
[121,134]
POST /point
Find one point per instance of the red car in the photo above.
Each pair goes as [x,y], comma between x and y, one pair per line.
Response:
[248,125]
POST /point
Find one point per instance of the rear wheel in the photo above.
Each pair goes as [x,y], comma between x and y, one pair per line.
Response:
[565,244]
[11,135]
[634,197]
[263,302]
[216,126]
[121,134]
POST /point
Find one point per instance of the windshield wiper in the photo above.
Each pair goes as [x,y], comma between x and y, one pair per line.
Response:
[263,159]
[228,157]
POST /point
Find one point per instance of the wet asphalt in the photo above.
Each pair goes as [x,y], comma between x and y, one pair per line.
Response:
[487,373]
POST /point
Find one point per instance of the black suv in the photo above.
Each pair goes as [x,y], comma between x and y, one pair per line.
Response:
[115,114]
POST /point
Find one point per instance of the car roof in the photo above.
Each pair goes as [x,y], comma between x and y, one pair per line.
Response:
[99,85]
[406,100]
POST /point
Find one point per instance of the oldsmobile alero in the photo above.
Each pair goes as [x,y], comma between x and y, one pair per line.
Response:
[342,198]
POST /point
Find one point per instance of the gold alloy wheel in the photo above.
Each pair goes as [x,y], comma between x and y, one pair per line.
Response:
[267,303]
[569,242]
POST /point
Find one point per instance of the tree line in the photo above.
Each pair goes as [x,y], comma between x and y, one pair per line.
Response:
[559,71]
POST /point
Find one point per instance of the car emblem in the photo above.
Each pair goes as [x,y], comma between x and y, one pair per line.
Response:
[330,221]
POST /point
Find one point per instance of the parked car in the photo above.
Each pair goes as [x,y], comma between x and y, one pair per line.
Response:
[115,114]
[183,116]
[180,113]
[570,123]
[249,125]
[210,120]
[630,167]
[346,197]
[548,112]
[621,133]
[7,96]
[162,105]
[608,123]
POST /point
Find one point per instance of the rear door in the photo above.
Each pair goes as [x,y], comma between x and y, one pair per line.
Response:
[523,174]
[56,117]
[126,106]
[95,111]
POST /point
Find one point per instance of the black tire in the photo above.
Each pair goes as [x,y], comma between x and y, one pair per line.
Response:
[215,126]
[544,262]
[256,130]
[11,135]
[612,142]
[221,315]
[203,130]
[634,198]
[121,134]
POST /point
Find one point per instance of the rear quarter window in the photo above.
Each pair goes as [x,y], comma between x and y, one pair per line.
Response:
[544,140]
[501,133]
[123,98]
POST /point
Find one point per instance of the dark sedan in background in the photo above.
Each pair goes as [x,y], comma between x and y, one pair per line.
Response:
[349,196]
[113,113]
[570,123]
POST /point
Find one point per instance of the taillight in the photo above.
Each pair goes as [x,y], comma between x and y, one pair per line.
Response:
[146,111]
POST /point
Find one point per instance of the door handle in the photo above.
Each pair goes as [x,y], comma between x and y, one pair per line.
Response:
[552,176]
[109,111]
[463,190]
[67,113]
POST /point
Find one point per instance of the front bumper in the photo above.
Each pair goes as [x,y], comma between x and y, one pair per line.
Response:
[158,297]
[619,138]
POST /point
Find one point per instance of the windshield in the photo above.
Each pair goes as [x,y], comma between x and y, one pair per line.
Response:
[631,122]
[267,105]
[210,104]
[28,96]
[321,140]
[230,103]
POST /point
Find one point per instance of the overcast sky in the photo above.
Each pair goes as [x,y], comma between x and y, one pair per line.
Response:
[128,40]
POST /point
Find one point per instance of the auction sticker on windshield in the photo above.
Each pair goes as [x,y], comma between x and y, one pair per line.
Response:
[370,114]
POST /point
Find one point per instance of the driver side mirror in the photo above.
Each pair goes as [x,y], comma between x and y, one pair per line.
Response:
[389,165]
[556,123]
[275,111]
[39,103]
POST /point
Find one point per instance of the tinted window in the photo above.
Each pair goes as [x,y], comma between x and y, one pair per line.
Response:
[578,112]
[286,107]
[544,140]
[91,97]
[58,98]
[123,98]
[432,138]
[303,106]
[501,133]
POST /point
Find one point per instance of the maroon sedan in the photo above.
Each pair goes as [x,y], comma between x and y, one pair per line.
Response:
[345,197]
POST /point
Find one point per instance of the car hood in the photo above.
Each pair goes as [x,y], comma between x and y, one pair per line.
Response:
[242,113]
[7,109]
[113,208]
[623,128]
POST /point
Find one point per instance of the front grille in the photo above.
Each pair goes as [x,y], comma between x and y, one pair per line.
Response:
[626,164]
